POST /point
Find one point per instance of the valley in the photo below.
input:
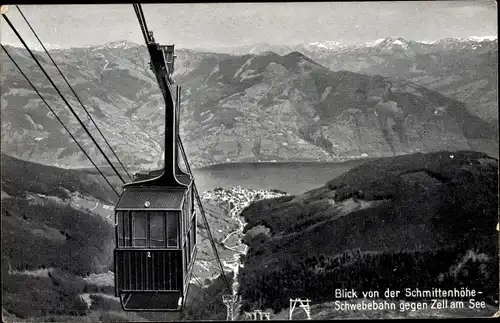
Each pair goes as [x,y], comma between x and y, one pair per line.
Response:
[236,232]
[72,190]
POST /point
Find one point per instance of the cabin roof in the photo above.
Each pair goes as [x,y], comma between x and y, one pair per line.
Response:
[162,198]
[183,178]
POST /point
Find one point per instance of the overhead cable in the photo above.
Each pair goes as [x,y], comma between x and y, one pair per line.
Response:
[58,119]
[61,95]
[72,90]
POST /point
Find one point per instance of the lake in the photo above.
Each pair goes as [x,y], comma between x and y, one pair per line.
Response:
[291,177]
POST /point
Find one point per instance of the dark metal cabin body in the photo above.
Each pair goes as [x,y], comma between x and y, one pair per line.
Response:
[156,248]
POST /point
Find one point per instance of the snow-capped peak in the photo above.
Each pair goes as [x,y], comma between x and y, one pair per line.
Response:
[327,44]
[122,44]
[35,45]
[376,42]
[463,39]
[482,38]
[389,42]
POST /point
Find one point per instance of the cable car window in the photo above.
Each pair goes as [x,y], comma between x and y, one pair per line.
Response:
[139,226]
[188,208]
[172,229]
[184,222]
[157,229]
[119,217]
[188,247]
[193,232]
[126,228]
[123,228]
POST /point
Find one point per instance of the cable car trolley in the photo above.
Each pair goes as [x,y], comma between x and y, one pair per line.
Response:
[155,218]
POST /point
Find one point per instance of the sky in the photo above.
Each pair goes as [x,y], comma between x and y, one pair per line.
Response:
[205,25]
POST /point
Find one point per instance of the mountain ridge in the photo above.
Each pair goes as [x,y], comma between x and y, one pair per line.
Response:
[382,225]
[248,108]
[325,44]
[334,45]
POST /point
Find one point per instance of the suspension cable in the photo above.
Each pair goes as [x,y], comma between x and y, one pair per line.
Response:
[202,210]
[205,292]
[197,279]
[139,7]
[58,119]
[144,32]
[61,95]
[142,22]
[72,90]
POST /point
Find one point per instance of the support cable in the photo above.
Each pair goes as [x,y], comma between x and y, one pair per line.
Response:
[200,205]
[143,28]
[198,280]
[72,90]
[61,95]
[142,22]
[139,7]
[58,119]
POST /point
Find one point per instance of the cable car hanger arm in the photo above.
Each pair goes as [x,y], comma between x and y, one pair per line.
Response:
[159,67]
[160,70]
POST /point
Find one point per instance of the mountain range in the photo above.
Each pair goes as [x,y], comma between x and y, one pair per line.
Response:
[333,45]
[462,68]
[315,103]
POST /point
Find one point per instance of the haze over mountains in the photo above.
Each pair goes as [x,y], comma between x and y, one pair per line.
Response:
[315,102]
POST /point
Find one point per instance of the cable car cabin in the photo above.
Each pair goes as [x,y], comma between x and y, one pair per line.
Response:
[155,252]
[156,245]
[155,223]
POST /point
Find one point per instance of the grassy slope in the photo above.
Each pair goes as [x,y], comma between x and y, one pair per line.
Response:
[46,234]
[19,176]
[397,207]
[48,246]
